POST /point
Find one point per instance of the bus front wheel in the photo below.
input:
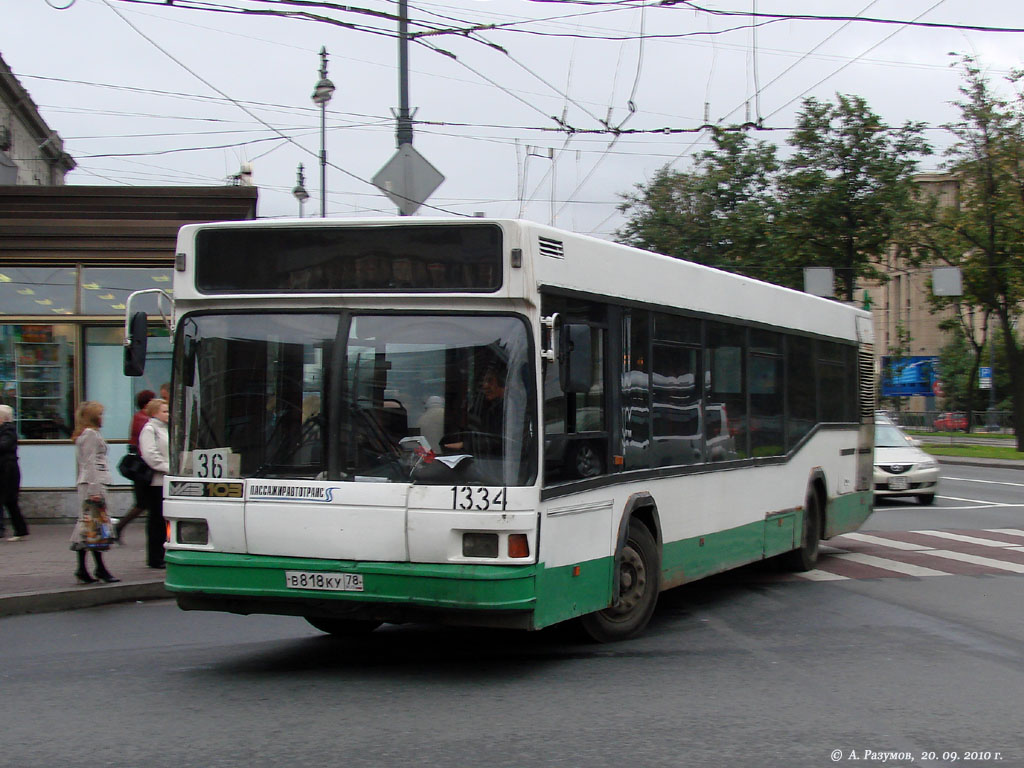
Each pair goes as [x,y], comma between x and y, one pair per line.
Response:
[343,627]
[639,582]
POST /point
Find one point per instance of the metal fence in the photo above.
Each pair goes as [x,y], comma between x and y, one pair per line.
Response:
[954,421]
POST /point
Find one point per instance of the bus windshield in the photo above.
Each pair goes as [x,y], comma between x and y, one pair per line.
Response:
[421,398]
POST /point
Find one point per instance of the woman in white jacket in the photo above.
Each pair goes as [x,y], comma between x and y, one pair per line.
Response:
[153,449]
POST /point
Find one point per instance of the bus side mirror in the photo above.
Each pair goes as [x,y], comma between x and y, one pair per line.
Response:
[135,346]
[575,359]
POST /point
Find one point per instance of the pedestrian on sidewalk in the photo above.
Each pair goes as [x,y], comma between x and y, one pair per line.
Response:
[93,531]
[154,451]
[10,476]
[138,422]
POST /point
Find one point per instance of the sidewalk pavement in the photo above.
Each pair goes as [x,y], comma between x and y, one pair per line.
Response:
[37,573]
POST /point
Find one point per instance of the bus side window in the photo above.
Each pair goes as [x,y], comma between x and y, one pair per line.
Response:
[575,432]
[727,386]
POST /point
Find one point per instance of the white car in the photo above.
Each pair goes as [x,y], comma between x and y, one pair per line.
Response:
[901,468]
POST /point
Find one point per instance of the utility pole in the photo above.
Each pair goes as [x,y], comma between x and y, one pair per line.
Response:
[404,132]
[407,179]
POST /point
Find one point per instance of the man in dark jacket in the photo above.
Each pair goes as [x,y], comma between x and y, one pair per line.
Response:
[10,475]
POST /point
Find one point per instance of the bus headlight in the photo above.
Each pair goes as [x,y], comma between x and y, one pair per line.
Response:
[195,532]
[479,545]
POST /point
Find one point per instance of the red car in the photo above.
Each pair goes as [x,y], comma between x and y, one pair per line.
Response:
[951,422]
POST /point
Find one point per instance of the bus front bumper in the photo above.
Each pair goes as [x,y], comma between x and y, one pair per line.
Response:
[479,595]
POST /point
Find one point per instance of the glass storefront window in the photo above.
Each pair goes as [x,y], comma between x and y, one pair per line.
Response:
[106,382]
[37,290]
[55,290]
[36,376]
[105,289]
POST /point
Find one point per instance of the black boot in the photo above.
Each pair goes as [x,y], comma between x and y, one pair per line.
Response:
[101,570]
[81,574]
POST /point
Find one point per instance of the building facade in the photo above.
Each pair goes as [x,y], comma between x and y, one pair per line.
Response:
[69,258]
[905,326]
[30,152]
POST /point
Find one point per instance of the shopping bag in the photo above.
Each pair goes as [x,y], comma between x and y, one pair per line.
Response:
[97,528]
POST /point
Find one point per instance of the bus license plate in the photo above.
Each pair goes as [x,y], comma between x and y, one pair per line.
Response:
[898,484]
[325,582]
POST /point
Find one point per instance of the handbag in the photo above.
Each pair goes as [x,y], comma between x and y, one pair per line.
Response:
[134,468]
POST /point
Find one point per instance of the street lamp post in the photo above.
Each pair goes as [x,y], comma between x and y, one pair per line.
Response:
[321,95]
[300,189]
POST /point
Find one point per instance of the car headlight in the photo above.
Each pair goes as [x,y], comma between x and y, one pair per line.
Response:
[928,465]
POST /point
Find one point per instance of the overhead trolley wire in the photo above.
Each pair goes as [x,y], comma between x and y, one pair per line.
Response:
[244,108]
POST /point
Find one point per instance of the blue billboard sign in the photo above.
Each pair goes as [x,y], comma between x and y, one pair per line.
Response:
[907,376]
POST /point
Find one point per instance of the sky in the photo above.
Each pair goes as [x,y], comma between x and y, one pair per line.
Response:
[516,117]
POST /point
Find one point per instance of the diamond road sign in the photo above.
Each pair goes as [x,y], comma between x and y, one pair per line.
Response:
[408,179]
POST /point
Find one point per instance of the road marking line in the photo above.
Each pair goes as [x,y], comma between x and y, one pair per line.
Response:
[966,539]
[973,501]
[892,565]
[986,482]
[817,575]
[891,543]
[1011,531]
[1001,565]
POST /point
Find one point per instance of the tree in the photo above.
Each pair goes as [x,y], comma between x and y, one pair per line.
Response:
[837,202]
[984,234]
[848,188]
[959,362]
[721,213]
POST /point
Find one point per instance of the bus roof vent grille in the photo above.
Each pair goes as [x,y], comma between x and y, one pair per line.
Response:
[866,382]
[553,248]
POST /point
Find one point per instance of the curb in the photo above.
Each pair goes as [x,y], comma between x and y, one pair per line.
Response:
[992,463]
[85,596]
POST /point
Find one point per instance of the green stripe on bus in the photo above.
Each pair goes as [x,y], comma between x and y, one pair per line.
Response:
[847,512]
[553,594]
[690,559]
[572,590]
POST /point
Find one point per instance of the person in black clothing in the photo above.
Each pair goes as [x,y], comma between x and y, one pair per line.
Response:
[140,487]
[491,417]
[486,418]
[10,475]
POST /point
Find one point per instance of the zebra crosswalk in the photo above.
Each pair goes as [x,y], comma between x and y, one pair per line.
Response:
[919,554]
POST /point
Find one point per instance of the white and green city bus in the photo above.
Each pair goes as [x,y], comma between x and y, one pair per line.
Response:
[493,423]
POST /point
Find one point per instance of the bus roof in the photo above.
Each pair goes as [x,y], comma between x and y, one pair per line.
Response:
[586,265]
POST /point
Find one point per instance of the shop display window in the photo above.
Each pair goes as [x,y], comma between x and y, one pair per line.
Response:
[36,374]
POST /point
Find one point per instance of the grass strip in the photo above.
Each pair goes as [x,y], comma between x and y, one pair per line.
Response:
[973,451]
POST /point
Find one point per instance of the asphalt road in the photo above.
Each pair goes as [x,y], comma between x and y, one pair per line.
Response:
[753,668]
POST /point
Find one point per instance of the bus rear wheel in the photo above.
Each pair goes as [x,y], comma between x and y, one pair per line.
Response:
[639,583]
[343,627]
[805,558]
